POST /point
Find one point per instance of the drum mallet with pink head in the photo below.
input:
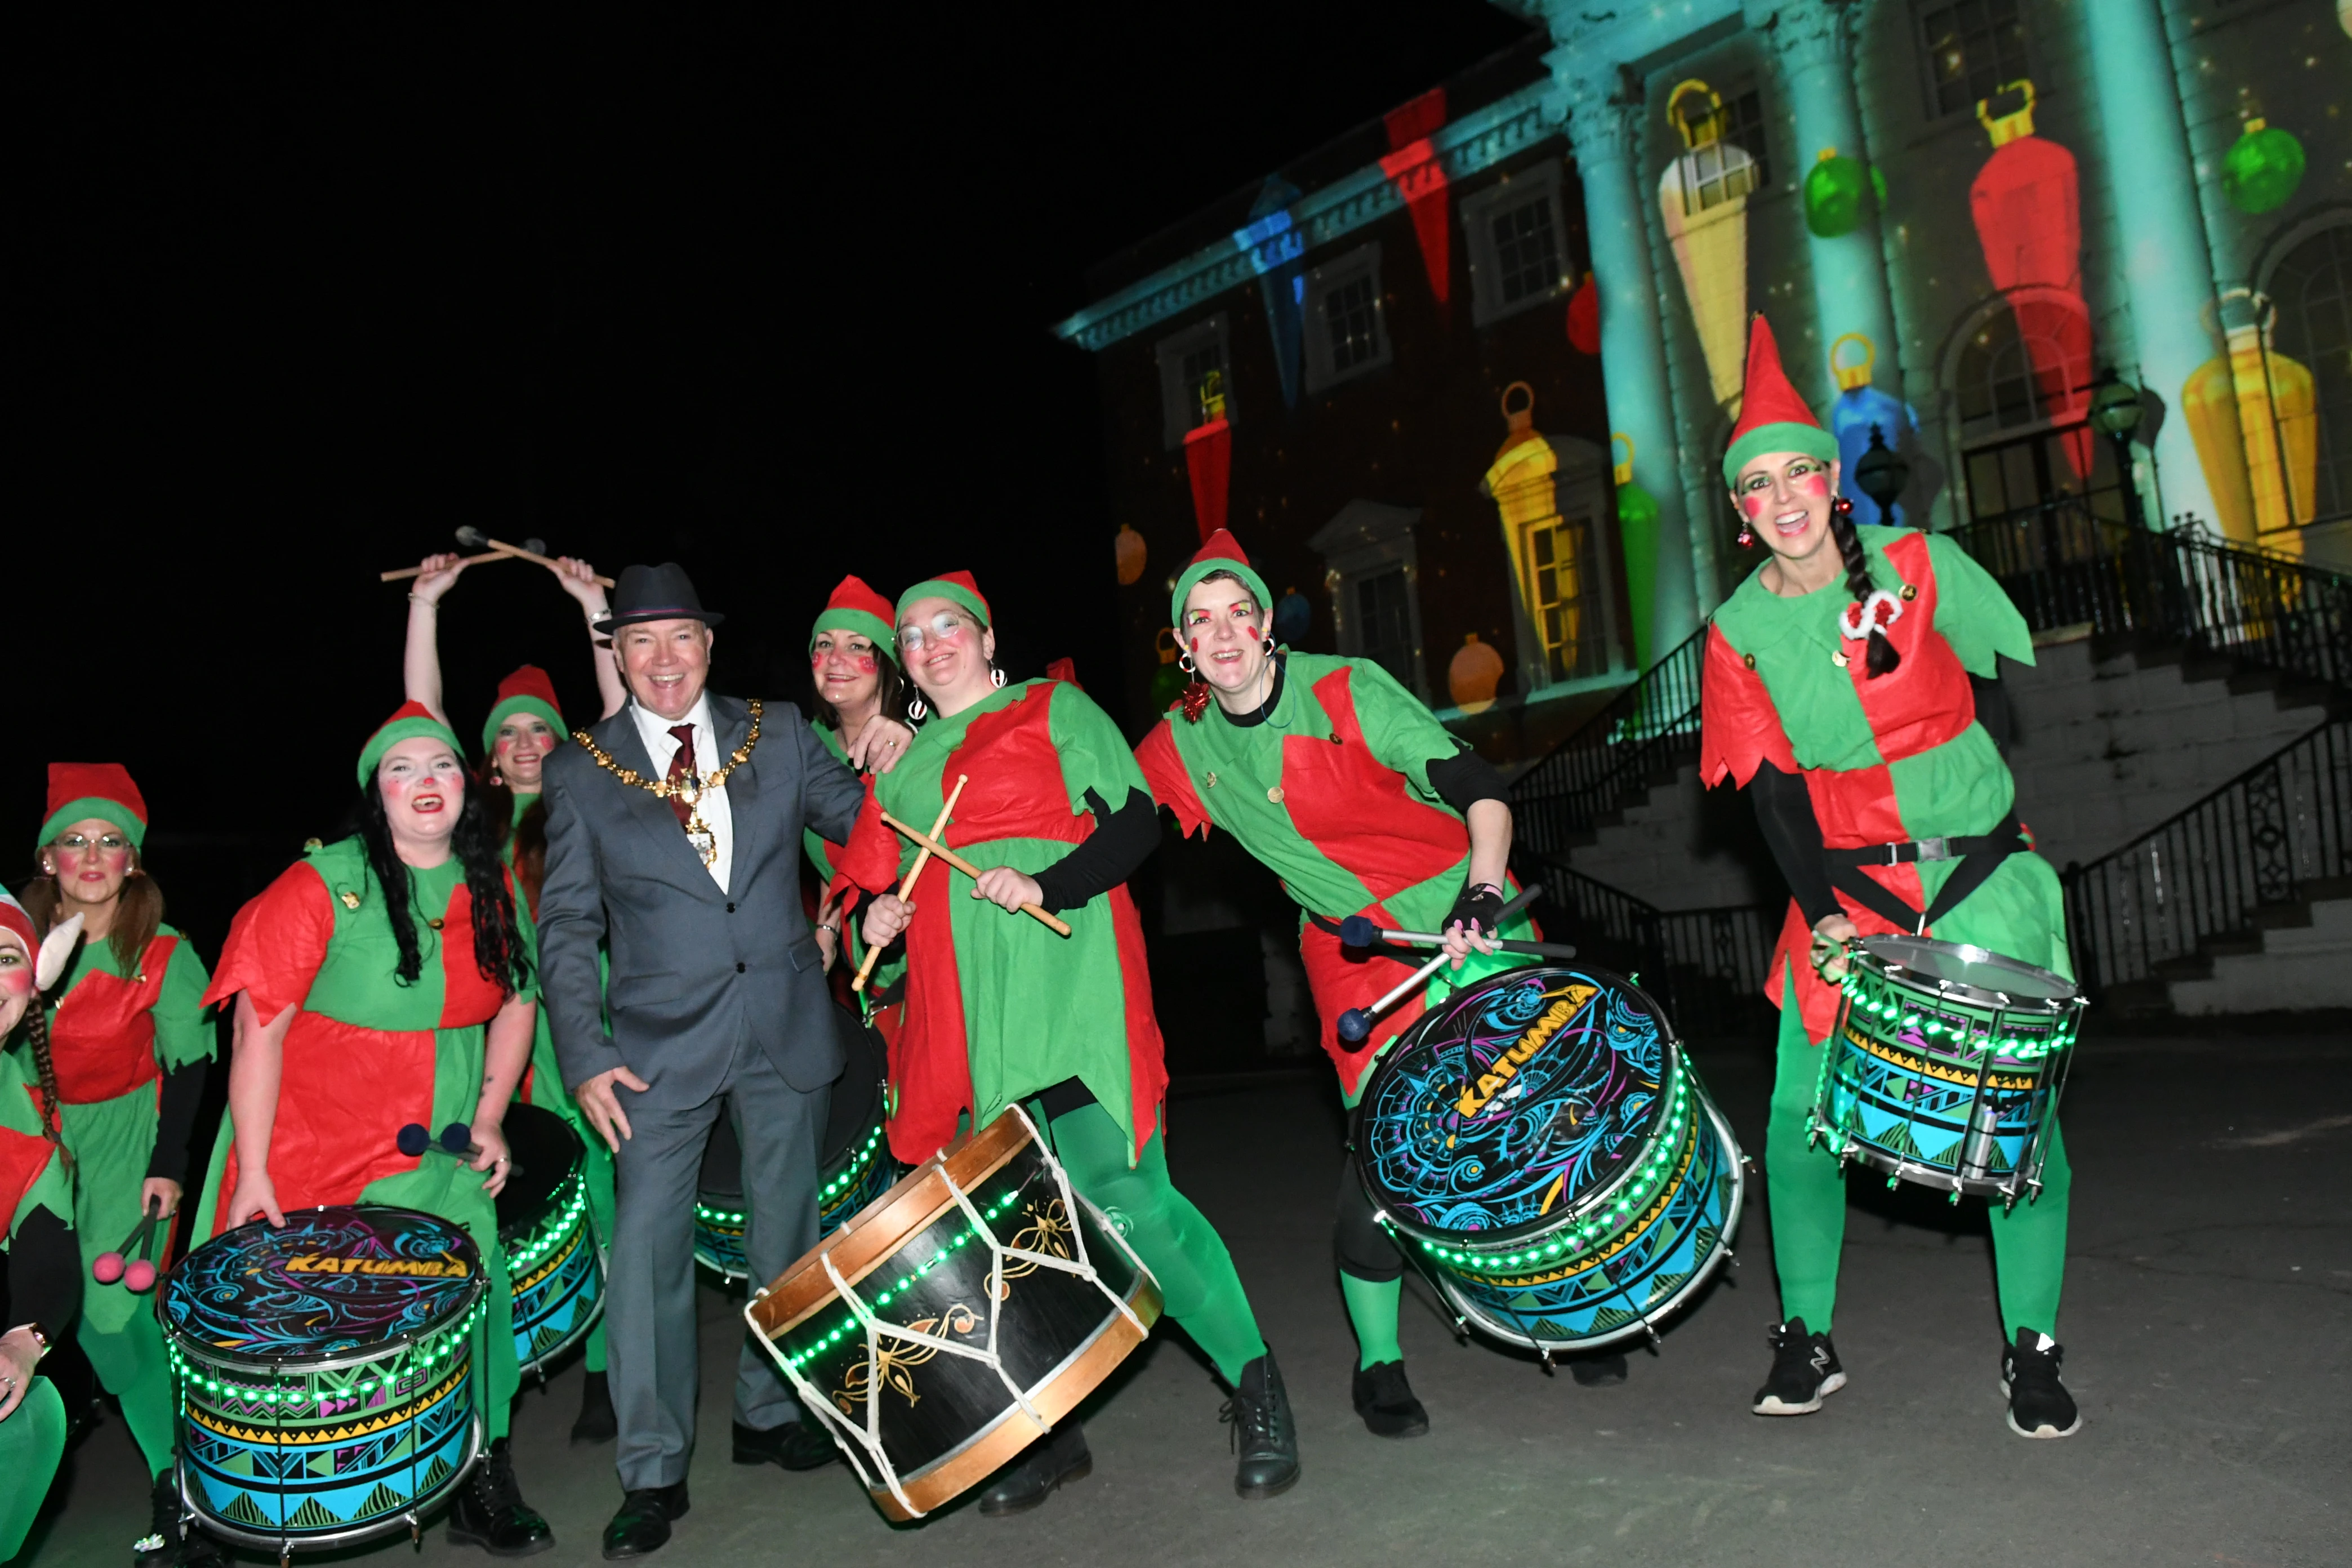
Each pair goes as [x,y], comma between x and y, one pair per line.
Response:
[1356,1022]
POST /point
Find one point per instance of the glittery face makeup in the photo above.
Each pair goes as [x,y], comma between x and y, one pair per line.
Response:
[521,747]
[1785,497]
[846,669]
[1224,632]
[423,785]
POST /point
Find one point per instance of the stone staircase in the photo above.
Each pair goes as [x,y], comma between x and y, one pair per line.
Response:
[2296,957]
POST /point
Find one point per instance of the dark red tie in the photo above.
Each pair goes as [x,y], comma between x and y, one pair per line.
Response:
[681,765]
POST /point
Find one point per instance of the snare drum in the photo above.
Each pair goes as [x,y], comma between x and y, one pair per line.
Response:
[325,1374]
[1540,1145]
[939,1332]
[552,1252]
[855,1167]
[1945,1066]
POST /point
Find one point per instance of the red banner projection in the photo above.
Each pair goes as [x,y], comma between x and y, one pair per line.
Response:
[1413,167]
[1209,456]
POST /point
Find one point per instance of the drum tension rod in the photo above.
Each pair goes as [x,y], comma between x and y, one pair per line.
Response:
[1545,1352]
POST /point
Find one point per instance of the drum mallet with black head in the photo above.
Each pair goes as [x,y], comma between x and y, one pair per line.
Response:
[457,1142]
[1357,930]
[1356,1022]
[528,549]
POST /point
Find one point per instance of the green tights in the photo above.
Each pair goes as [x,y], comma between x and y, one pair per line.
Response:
[1807,1200]
[31,1440]
[1198,1285]
[131,1364]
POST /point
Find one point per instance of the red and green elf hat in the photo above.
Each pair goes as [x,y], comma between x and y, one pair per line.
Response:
[527,691]
[49,956]
[957,586]
[1222,553]
[408,722]
[1772,417]
[855,607]
[79,791]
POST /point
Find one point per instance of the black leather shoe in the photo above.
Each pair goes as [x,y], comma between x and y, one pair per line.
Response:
[489,1511]
[1059,1457]
[642,1527]
[597,1424]
[795,1445]
[1264,1435]
[1597,1371]
[1385,1399]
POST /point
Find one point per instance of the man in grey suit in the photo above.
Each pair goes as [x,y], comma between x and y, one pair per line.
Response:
[690,876]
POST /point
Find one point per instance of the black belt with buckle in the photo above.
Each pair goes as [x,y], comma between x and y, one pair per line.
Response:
[1982,853]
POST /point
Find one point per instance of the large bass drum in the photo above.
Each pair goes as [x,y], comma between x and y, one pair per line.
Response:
[1540,1145]
[553,1255]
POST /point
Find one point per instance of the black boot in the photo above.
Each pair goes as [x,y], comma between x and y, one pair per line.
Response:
[1385,1399]
[597,1424]
[1264,1435]
[489,1511]
[2039,1404]
[160,1544]
[1058,1457]
[803,1445]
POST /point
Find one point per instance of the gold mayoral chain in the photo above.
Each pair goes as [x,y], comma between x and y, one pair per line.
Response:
[691,789]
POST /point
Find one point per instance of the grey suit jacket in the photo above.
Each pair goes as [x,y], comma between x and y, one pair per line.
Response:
[695,972]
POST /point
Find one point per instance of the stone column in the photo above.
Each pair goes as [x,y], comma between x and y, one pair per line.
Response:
[1815,47]
[2167,269]
[1632,341]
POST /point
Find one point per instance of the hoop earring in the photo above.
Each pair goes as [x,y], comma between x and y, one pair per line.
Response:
[915,710]
[1269,644]
[1184,663]
[996,677]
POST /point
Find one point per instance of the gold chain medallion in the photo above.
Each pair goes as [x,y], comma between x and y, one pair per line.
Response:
[691,789]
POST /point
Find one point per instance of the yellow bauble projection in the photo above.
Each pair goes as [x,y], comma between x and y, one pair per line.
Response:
[2257,402]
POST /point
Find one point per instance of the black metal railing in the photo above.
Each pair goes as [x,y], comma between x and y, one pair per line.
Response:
[1707,966]
[2260,843]
[1646,731]
[2066,567]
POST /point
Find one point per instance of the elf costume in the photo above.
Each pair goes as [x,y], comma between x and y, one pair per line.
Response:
[366,1055]
[1339,784]
[1847,762]
[855,607]
[130,1044]
[36,1195]
[1001,1009]
[529,692]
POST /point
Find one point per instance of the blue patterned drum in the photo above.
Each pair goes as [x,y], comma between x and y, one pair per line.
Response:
[552,1250]
[1945,1065]
[325,1374]
[1540,1145]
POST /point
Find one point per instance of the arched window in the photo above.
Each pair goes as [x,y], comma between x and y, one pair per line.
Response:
[2310,288]
[2020,380]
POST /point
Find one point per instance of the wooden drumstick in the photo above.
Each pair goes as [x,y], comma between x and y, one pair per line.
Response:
[968,869]
[468,560]
[520,553]
[906,882]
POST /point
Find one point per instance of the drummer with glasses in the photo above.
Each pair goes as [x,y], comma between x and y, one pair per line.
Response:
[1336,778]
[1851,687]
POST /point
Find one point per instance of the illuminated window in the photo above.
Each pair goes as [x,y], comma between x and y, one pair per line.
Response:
[1555,559]
[1518,243]
[1347,334]
[1970,48]
[1188,362]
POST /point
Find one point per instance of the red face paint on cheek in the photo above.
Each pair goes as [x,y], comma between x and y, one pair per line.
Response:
[867,664]
[816,661]
[1752,504]
[1817,484]
[16,981]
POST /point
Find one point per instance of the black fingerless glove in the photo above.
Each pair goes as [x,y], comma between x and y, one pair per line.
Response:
[1481,905]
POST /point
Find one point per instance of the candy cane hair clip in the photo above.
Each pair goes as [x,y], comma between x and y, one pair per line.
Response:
[1878,613]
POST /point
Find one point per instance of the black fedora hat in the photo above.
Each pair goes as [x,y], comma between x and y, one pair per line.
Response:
[662,593]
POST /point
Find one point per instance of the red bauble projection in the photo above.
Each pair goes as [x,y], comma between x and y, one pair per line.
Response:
[1209,458]
[1584,317]
[2027,204]
[1412,166]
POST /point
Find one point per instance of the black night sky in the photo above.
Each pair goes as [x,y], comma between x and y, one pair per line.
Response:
[298,295]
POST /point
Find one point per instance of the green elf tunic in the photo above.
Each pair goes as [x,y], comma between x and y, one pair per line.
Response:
[32,1437]
[112,1038]
[1896,758]
[366,1055]
[999,1007]
[1331,791]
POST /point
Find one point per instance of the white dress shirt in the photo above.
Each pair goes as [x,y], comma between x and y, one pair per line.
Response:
[661,746]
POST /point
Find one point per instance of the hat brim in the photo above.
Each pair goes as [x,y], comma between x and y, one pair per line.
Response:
[660,613]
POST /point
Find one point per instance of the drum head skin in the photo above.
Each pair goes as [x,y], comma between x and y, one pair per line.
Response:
[1512,1102]
[547,1151]
[352,1277]
[1975,969]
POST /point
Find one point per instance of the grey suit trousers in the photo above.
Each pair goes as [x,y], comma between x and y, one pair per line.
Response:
[650,1311]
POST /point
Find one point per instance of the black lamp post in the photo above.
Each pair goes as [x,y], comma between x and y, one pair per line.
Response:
[1882,473]
[2115,414]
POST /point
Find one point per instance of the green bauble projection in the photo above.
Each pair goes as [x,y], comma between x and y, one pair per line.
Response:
[1835,190]
[2261,168]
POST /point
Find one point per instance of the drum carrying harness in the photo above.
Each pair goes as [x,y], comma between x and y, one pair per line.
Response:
[1982,854]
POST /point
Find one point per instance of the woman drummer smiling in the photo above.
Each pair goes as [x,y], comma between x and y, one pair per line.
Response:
[1850,686]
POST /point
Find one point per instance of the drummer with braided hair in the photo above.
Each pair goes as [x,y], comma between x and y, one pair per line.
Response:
[1000,1010]
[1851,687]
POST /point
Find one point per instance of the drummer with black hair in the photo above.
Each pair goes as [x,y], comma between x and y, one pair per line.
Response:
[385,980]
[1851,685]
[1344,784]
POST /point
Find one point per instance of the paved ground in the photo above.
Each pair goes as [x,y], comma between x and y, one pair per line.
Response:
[2208,1311]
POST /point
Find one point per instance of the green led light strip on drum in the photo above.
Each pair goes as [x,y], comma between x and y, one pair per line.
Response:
[840,1184]
[551,1234]
[428,1359]
[1660,1170]
[849,1326]
[1887,1004]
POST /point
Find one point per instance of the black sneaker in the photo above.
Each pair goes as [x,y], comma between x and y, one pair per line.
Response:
[2039,1404]
[1264,1435]
[1385,1399]
[1804,1370]
[489,1511]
